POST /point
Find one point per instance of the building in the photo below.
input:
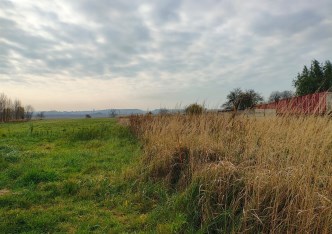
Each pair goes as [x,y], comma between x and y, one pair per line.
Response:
[316,103]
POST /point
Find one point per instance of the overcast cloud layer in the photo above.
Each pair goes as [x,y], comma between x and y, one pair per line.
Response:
[75,55]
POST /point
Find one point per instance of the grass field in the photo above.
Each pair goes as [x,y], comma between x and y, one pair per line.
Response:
[66,176]
[167,174]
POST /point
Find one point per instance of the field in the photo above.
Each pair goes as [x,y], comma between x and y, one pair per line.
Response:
[167,174]
[65,176]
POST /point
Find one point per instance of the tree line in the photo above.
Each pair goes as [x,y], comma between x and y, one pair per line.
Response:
[317,78]
[13,110]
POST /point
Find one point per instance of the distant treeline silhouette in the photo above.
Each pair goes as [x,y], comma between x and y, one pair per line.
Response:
[13,110]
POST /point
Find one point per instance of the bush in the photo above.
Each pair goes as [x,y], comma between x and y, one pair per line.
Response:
[194,109]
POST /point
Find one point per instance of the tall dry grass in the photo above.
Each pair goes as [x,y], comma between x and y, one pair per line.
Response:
[251,175]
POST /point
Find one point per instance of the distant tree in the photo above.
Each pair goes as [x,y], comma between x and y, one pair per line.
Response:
[8,113]
[11,110]
[17,109]
[28,112]
[249,99]
[87,116]
[317,79]
[234,99]
[113,113]
[277,95]
[20,112]
[287,94]
[3,105]
[41,115]
[241,100]
[194,109]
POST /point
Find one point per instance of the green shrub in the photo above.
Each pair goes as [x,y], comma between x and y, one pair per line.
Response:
[194,109]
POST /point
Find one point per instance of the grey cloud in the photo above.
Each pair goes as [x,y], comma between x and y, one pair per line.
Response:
[174,40]
[127,39]
[14,34]
[178,45]
[166,11]
[71,33]
[125,35]
[320,32]
[29,46]
[6,4]
[286,24]
[104,11]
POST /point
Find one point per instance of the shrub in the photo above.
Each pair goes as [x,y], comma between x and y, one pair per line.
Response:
[194,109]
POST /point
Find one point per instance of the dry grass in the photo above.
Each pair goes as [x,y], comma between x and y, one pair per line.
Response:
[270,175]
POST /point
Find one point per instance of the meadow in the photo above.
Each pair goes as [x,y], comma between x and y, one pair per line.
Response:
[64,176]
[208,173]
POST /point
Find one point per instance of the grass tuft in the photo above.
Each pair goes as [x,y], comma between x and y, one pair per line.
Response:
[36,176]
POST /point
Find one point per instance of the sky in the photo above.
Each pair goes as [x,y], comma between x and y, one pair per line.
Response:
[84,54]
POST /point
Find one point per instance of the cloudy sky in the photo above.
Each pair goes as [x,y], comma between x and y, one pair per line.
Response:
[84,54]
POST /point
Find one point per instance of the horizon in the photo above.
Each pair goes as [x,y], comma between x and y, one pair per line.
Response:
[107,109]
[74,56]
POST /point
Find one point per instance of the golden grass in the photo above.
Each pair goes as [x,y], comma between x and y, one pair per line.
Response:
[270,175]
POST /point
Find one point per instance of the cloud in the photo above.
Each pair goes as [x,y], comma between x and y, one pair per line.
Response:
[147,54]
[286,24]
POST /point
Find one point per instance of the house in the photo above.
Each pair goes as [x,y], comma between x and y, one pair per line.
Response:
[316,103]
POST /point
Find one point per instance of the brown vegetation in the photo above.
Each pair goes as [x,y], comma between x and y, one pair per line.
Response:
[270,175]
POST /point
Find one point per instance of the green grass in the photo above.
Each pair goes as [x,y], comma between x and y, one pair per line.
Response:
[80,176]
[66,176]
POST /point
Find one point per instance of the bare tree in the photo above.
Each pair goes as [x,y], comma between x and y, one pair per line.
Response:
[28,112]
[8,113]
[276,96]
[17,108]
[20,113]
[287,94]
[41,115]
[9,110]
[3,103]
[113,113]
[13,110]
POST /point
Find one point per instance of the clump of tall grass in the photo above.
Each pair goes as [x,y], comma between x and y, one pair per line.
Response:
[90,133]
[250,174]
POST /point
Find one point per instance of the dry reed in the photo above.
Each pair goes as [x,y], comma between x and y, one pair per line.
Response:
[267,175]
